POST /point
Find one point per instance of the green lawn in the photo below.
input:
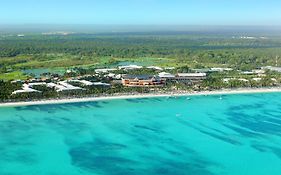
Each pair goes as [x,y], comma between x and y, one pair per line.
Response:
[13,76]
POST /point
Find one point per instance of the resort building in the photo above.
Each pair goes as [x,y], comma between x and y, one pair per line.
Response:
[37,84]
[183,77]
[190,77]
[170,68]
[166,76]
[63,86]
[206,70]
[101,84]
[130,67]
[142,81]
[25,89]
[84,82]
[104,70]
[155,68]
[247,73]
[114,76]
[17,81]
[214,69]
[88,83]
[219,69]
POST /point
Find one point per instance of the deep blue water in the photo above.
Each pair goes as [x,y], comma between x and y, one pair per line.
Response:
[238,135]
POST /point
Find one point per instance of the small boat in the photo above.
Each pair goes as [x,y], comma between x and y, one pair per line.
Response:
[188,98]
[220,98]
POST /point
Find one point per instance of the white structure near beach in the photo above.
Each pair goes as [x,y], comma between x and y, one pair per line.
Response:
[59,86]
[37,84]
[88,83]
[26,88]
[63,86]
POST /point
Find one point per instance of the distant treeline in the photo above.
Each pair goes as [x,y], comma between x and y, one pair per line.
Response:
[125,45]
[201,49]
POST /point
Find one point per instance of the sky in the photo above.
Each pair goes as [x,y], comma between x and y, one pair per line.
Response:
[141,12]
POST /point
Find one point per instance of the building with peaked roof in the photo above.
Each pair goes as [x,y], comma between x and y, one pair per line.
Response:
[142,81]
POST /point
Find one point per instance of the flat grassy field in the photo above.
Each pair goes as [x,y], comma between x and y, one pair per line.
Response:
[13,76]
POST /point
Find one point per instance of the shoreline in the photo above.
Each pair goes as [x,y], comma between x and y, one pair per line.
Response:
[148,95]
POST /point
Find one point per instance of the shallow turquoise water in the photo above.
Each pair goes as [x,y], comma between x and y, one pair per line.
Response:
[238,135]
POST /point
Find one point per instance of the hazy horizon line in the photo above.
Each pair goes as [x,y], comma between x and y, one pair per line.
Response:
[85,24]
[111,28]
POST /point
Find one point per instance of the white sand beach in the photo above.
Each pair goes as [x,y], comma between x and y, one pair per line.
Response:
[148,95]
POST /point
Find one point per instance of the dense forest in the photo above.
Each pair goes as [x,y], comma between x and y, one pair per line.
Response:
[88,49]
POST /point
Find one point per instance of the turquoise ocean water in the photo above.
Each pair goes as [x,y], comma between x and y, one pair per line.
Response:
[203,135]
